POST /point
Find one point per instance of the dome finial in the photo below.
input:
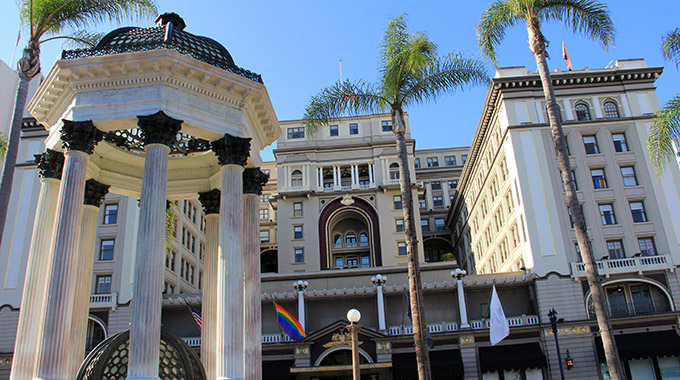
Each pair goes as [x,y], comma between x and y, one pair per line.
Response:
[171,17]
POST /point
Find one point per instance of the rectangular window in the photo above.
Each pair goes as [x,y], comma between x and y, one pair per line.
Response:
[628,174]
[439,224]
[647,247]
[607,214]
[436,185]
[453,184]
[106,249]
[387,125]
[264,236]
[615,249]
[422,203]
[637,209]
[264,214]
[297,209]
[297,232]
[463,158]
[578,253]
[573,178]
[400,225]
[451,198]
[437,201]
[590,143]
[432,162]
[299,255]
[397,202]
[354,129]
[425,225]
[450,160]
[416,163]
[103,284]
[620,144]
[599,180]
[401,246]
[296,133]
[173,255]
[111,213]
[334,130]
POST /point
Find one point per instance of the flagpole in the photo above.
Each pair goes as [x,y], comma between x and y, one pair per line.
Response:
[342,85]
[276,318]
[11,63]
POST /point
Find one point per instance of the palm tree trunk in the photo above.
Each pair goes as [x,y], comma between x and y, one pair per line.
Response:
[12,150]
[414,282]
[537,45]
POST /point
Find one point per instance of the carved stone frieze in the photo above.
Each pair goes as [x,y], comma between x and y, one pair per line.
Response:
[80,135]
[253,181]
[210,200]
[159,128]
[232,150]
[50,164]
[95,192]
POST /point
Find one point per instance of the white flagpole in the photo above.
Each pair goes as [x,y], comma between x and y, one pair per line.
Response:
[499,328]
[342,88]
[11,63]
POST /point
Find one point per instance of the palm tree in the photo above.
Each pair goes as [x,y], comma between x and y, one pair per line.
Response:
[49,20]
[590,18]
[411,73]
[666,129]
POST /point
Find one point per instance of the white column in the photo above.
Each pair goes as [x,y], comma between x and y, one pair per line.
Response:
[626,106]
[210,201]
[94,193]
[300,287]
[53,352]
[39,262]
[379,280]
[320,176]
[596,106]
[335,176]
[353,174]
[371,176]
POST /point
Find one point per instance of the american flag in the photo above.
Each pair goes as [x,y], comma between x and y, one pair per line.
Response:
[196,314]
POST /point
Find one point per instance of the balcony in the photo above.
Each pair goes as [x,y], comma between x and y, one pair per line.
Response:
[104,300]
[626,265]
[522,320]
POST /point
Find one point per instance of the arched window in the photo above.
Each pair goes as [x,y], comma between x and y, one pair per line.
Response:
[296,179]
[337,241]
[363,239]
[394,171]
[582,111]
[350,239]
[611,109]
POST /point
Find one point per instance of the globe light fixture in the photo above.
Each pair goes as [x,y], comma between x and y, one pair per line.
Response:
[353,316]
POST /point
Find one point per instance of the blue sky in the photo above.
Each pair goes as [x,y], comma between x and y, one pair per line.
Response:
[296,46]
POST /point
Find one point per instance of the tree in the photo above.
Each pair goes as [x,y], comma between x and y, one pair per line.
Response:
[665,131]
[590,18]
[48,20]
[411,73]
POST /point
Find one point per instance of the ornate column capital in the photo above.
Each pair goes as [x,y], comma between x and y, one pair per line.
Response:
[232,150]
[95,192]
[50,164]
[253,181]
[159,128]
[210,200]
[80,135]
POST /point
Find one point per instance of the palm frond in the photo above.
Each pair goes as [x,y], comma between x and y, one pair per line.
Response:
[3,145]
[453,72]
[501,15]
[395,38]
[78,39]
[418,53]
[670,46]
[342,97]
[665,129]
[590,18]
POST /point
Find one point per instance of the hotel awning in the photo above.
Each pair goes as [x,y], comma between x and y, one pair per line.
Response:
[446,364]
[644,345]
[511,356]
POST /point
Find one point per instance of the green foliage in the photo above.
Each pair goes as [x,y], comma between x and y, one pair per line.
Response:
[670,46]
[170,225]
[587,17]
[448,256]
[3,145]
[665,129]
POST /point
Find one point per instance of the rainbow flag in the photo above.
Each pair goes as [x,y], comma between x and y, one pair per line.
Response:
[289,324]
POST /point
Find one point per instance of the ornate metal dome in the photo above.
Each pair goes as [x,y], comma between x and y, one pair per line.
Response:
[167,34]
[108,361]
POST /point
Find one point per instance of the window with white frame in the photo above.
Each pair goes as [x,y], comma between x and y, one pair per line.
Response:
[450,160]
[453,184]
[296,133]
[647,247]
[436,185]
[386,125]
[264,214]
[637,210]
[297,232]
[615,249]
[296,179]
[106,249]
[111,213]
[103,284]
[416,163]
[611,109]
[401,248]
[397,202]
[264,236]
[299,255]
[333,130]
[432,162]
[354,129]
[620,144]
[394,171]
[439,224]
[463,158]
[437,201]
[425,225]
[599,180]
[297,209]
[590,144]
[399,224]
[628,174]
[607,214]
[582,111]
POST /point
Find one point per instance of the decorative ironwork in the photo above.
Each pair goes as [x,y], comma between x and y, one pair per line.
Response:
[253,180]
[210,200]
[132,140]
[95,192]
[50,164]
[231,150]
[80,135]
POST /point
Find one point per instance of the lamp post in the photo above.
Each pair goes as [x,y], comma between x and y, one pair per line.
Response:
[300,286]
[379,280]
[552,315]
[353,316]
[458,274]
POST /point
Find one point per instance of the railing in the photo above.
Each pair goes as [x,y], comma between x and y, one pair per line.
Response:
[640,307]
[193,342]
[296,188]
[104,300]
[522,320]
[275,338]
[392,181]
[626,265]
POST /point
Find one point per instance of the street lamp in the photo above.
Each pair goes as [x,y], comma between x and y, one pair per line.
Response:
[458,274]
[353,316]
[552,316]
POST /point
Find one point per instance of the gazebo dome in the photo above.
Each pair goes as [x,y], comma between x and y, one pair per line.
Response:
[109,360]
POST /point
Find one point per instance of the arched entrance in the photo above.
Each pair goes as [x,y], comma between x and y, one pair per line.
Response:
[436,249]
[96,332]
[269,261]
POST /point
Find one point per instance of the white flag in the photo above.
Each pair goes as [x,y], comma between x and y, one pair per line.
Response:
[499,324]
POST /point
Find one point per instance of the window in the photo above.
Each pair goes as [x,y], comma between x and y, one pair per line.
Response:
[353,129]
[615,249]
[401,247]
[394,171]
[432,162]
[297,232]
[437,201]
[363,239]
[264,214]
[578,253]
[590,143]
[296,179]
[425,225]
[350,239]
[436,185]
[365,261]
[397,202]
[106,249]
[111,213]
[599,180]
[451,198]
[439,224]
[334,130]
[571,220]
[296,133]
[453,184]
[416,163]
[463,158]
[422,203]
[297,209]
[582,111]
[386,125]
[173,255]
[400,225]
[450,160]
[647,247]
[264,236]
[628,174]
[103,284]
[611,110]
[299,255]
[607,214]
[337,241]
[620,144]
[637,209]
